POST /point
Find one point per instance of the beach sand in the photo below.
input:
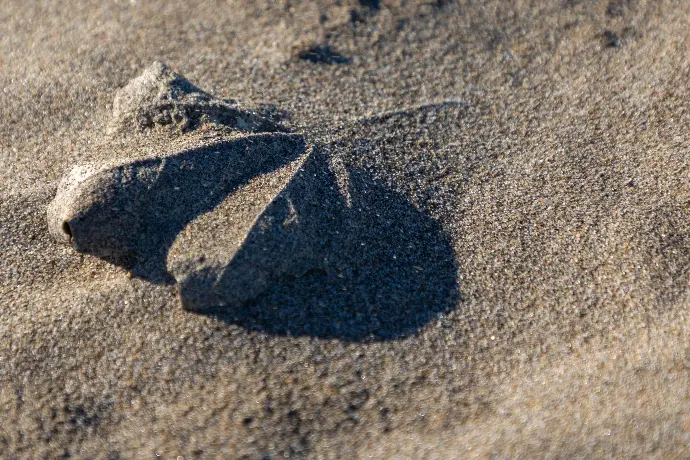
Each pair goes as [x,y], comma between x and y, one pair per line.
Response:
[524,174]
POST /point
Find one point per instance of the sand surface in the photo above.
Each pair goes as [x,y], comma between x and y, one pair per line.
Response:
[527,292]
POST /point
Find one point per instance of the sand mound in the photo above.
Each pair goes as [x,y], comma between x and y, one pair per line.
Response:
[161,97]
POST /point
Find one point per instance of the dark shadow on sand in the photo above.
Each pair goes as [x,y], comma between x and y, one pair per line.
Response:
[135,225]
[389,270]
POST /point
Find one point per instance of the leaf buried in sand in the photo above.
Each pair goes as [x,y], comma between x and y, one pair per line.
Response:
[243,222]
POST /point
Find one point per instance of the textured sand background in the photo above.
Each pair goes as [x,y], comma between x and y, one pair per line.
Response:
[560,174]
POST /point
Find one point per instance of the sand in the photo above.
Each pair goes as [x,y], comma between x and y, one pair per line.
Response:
[527,164]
